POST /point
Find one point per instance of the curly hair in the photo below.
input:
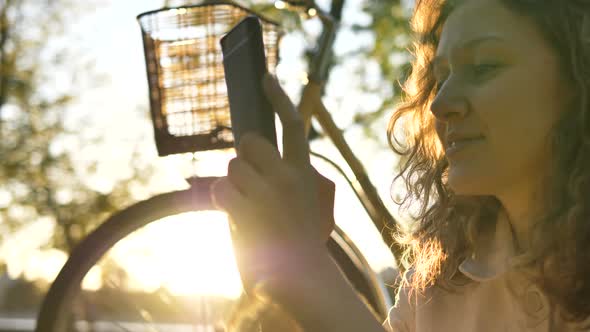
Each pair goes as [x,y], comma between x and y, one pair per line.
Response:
[448,224]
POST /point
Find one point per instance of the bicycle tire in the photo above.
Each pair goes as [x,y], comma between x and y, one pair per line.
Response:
[89,251]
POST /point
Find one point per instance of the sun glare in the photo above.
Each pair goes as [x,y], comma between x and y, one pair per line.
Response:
[187,254]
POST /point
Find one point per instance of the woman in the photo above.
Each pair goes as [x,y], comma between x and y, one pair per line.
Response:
[497,130]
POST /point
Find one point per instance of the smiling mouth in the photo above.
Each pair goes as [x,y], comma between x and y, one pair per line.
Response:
[460,145]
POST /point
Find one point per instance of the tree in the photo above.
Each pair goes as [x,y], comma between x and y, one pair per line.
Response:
[39,179]
[388,25]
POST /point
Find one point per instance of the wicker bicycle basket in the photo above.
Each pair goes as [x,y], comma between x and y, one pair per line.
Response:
[187,91]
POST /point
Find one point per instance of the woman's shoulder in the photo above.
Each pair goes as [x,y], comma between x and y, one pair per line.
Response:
[409,300]
[401,316]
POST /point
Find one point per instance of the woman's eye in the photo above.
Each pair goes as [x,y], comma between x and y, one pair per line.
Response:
[478,71]
[470,72]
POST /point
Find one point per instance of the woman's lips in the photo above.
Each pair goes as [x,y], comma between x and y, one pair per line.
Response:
[461,145]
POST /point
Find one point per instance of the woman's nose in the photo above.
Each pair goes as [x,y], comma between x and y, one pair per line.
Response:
[449,102]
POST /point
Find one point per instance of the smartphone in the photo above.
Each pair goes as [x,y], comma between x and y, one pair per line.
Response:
[244,62]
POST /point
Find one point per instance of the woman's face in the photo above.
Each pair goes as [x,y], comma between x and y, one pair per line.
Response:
[499,85]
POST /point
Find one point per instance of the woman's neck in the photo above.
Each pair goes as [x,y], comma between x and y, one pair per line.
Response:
[520,207]
[519,228]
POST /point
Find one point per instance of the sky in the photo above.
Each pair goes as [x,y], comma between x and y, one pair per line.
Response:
[111,37]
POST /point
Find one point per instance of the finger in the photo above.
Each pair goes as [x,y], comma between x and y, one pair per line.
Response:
[259,153]
[225,196]
[295,145]
[247,180]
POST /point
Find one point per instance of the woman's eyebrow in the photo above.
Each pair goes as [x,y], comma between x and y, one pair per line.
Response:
[467,45]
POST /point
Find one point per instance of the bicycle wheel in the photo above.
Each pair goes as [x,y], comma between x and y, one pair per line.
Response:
[57,310]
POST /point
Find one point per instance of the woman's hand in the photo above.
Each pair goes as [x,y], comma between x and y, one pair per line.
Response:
[281,217]
[280,208]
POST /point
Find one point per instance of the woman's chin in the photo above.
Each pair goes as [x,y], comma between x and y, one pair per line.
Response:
[463,185]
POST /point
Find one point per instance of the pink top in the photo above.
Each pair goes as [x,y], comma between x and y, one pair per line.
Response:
[484,301]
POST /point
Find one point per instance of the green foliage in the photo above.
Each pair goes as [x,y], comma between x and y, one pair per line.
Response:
[390,26]
[39,177]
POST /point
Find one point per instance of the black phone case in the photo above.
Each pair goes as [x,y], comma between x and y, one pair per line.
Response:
[244,62]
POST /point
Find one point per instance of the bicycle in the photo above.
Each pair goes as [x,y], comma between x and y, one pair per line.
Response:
[56,310]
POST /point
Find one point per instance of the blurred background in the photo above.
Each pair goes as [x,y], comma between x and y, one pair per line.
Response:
[76,144]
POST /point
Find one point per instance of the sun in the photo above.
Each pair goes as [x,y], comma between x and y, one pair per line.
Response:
[187,254]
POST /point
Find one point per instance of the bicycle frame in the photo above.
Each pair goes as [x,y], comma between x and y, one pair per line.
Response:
[197,198]
[311,105]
